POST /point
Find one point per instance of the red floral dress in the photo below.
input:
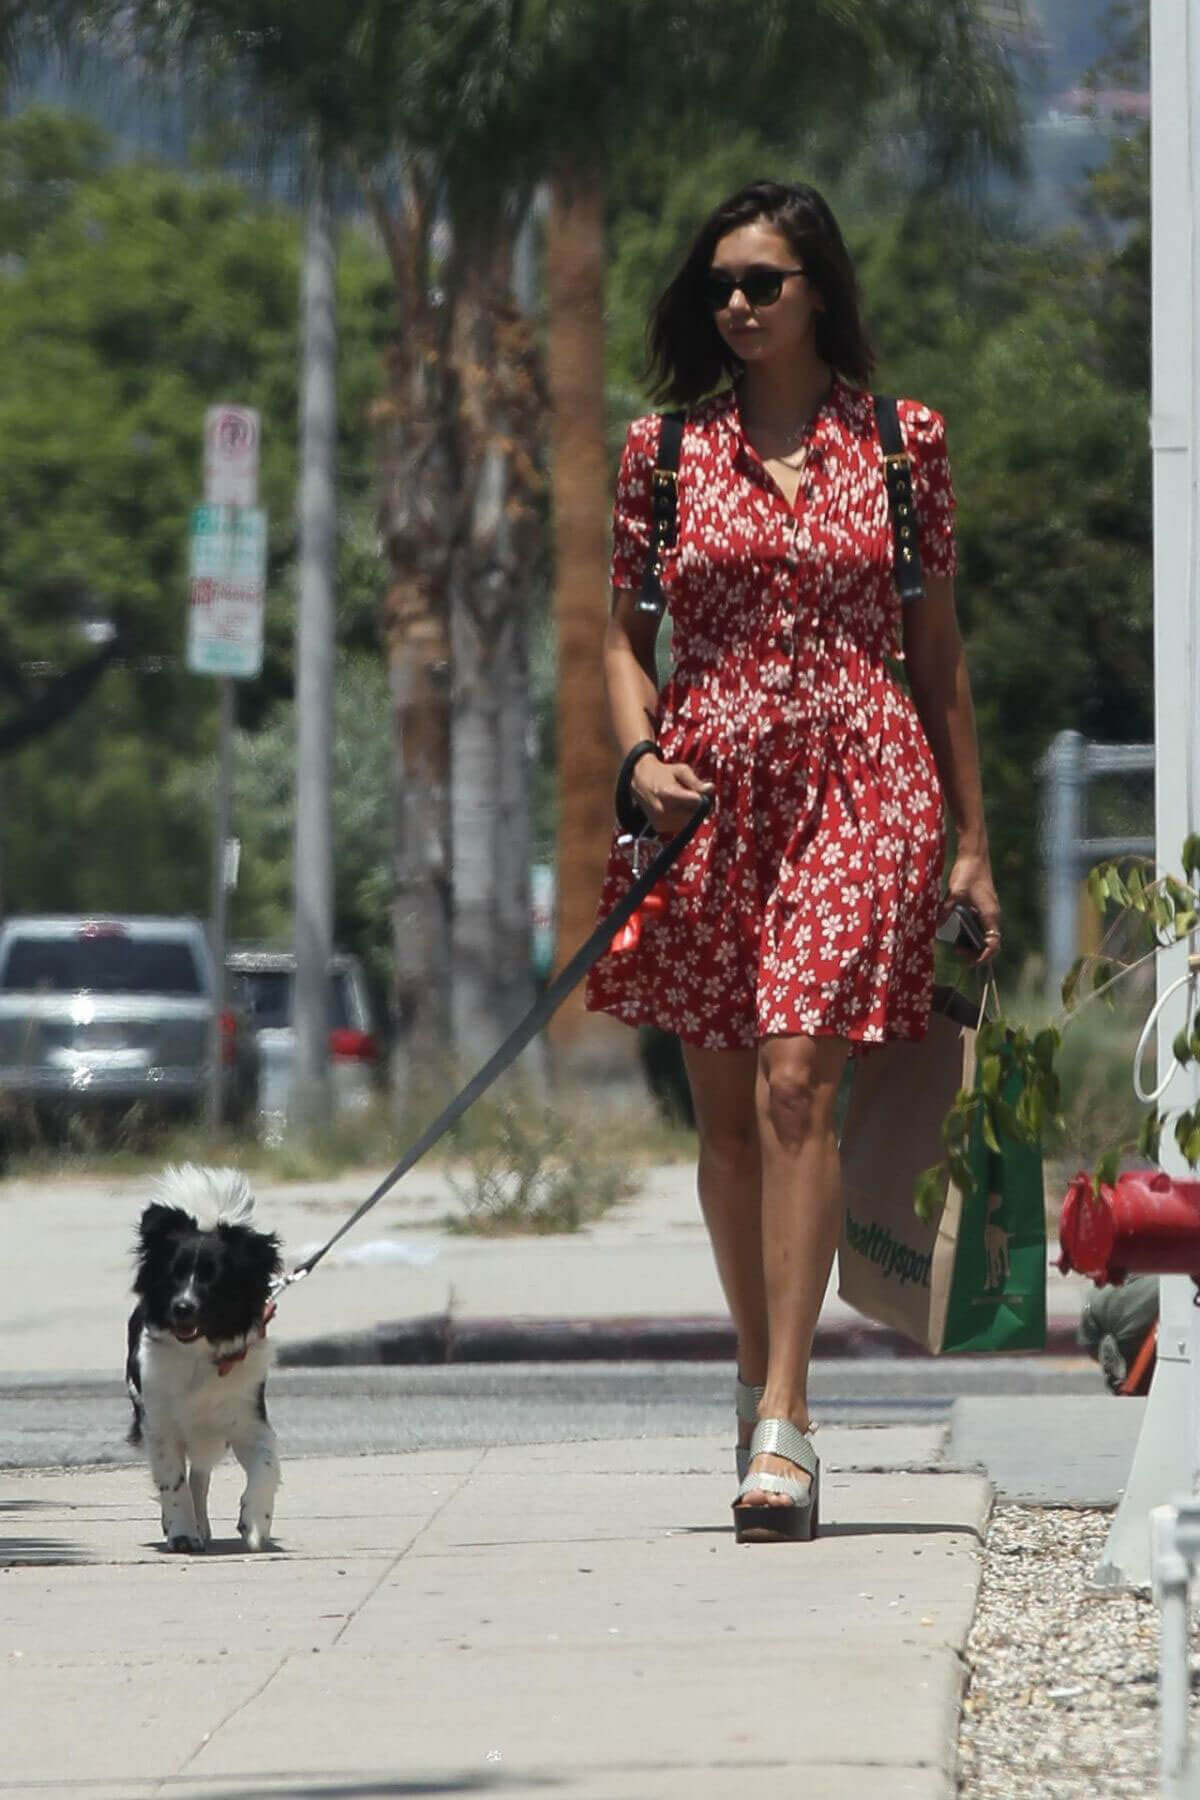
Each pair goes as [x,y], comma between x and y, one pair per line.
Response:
[806,903]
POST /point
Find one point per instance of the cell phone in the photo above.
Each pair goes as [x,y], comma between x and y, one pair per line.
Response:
[962,929]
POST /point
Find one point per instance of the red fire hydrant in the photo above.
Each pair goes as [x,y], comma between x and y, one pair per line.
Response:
[1147,1223]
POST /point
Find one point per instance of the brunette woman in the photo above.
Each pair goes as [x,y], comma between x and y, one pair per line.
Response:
[800,920]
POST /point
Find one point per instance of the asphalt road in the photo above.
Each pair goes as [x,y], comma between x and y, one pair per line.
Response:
[54,1422]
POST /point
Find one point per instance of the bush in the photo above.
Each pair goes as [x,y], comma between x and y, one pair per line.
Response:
[526,1168]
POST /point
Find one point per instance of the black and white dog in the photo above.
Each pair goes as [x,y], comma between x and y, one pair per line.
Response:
[198,1356]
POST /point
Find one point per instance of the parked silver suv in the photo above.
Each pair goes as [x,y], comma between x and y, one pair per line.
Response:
[97,1013]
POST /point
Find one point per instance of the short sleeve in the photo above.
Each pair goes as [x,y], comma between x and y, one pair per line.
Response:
[933,490]
[631,510]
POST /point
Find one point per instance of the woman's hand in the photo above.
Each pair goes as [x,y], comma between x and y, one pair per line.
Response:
[667,792]
[971,881]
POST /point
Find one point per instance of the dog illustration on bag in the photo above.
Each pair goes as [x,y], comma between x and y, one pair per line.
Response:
[995,1244]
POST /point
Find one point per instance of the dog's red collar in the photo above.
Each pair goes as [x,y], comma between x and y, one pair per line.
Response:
[233,1357]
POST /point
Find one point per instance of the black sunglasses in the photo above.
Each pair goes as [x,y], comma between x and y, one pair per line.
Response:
[761,286]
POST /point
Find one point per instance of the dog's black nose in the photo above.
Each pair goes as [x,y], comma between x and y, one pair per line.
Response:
[183,1310]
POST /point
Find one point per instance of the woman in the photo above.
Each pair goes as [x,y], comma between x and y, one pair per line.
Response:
[799,922]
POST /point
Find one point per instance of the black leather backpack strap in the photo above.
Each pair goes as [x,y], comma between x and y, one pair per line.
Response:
[897,473]
[664,512]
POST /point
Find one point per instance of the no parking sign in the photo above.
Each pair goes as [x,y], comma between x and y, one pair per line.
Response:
[231,456]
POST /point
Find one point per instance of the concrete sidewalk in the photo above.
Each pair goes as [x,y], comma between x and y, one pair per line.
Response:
[570,1619]
[401,1287]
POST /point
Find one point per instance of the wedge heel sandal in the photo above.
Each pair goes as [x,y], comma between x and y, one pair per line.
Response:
[796,1522]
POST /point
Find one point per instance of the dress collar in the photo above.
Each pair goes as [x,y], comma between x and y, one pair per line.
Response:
[841,406]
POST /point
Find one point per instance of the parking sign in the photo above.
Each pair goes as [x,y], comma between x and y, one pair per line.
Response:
[228,570]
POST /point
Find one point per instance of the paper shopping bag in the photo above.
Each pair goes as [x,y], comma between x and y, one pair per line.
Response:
[893,1131]
[972,1277]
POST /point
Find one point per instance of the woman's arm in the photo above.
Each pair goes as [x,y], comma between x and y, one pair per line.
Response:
[630,676]
[937,672]
[666,792]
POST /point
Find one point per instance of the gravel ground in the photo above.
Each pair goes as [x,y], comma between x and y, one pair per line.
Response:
[1062,1684]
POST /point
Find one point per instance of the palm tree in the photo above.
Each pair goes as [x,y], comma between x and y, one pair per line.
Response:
[646,80]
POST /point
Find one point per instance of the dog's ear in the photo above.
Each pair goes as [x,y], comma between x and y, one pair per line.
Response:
[158,1225]
[257,1253]
[257,1250]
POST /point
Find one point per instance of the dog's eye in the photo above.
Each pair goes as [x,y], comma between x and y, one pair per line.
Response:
[204,1268]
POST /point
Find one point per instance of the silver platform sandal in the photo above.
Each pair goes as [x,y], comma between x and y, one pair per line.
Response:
[748,1398]
[780,1524]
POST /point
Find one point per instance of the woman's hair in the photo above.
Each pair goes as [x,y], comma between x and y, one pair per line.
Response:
[687,356]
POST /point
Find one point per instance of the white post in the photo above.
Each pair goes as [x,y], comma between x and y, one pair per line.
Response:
[220,898]
[1062,829]
[313,890]
[1164,1462]
[1171,1575]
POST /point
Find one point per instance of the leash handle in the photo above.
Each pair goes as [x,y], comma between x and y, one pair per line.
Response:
[567,978]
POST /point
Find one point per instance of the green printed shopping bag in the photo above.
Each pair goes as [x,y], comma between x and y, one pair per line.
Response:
[972,1277]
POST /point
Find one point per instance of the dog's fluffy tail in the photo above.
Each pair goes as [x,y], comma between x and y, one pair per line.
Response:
[214,1196]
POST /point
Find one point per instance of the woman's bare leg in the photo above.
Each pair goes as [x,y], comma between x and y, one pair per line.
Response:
[801,1216]
[729,1180]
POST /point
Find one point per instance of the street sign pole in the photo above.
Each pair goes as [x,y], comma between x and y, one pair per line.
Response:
[220,895]
[228,566]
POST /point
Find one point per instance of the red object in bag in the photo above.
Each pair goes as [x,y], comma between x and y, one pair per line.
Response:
[652,907]
[1147,1223]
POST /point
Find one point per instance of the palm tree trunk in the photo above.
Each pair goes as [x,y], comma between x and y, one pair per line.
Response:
[496,366]
[419,519]
[575,282]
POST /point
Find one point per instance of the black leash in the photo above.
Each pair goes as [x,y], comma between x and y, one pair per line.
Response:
[548,1004]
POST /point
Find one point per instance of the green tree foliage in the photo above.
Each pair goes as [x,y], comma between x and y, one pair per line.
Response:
[1037,356]
[130,299]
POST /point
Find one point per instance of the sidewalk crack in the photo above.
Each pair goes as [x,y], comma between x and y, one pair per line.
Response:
[404,1551]
[210,1736]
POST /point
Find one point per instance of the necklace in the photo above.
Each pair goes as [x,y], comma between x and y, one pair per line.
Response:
[794,461]
[794,448]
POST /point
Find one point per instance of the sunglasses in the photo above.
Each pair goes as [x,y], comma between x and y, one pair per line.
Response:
[760,286]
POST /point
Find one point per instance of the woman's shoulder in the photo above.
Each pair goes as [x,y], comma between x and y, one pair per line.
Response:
[642,434]
[923,427]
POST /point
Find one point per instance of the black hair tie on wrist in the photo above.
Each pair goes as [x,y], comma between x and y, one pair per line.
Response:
[630,816]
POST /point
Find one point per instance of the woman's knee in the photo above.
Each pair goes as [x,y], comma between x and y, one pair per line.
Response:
[722,1084]
[731,1140]
[798,1088]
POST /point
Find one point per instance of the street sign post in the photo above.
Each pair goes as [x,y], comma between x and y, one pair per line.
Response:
[227,590]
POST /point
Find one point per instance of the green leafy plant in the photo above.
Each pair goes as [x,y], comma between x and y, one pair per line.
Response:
[1167,910]
[1018,1093]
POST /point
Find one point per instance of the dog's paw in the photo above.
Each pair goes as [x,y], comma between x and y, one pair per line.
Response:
[254,1529]
[185,1543]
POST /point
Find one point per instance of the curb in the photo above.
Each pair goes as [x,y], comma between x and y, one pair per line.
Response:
[440,1338]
